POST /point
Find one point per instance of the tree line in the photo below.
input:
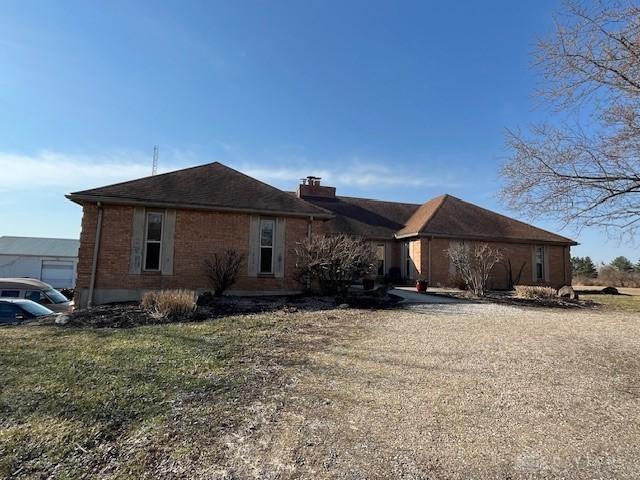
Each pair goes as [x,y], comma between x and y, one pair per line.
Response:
[584,266]
[620,272]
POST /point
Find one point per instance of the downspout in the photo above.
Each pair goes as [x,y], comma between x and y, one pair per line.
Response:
[94,264]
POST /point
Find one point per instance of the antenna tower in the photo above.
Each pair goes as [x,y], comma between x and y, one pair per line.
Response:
[154,168]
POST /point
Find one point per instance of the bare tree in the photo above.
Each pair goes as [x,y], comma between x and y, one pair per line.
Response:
[585,168]
[474,263]
[222,270]
[334,261]
[512,280]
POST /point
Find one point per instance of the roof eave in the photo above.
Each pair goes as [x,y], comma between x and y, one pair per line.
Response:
[568,241]
[80,198]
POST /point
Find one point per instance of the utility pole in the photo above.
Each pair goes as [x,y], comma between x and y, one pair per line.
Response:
[154,168]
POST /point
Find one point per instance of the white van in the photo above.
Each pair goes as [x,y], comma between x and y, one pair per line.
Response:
[35,290]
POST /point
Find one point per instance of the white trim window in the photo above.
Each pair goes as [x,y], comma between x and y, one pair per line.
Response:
[267,236]
[540,263]
[153,241]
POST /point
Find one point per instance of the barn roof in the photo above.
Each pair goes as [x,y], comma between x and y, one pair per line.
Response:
[39,246]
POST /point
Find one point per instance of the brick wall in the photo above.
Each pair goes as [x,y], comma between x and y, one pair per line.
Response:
[518,253]
[200,233]
[415,247]
[197,235]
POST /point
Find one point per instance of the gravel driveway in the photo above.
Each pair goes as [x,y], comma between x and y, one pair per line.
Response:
[459,391]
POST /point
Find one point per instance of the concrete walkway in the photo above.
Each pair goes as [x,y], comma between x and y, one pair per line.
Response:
[410,295]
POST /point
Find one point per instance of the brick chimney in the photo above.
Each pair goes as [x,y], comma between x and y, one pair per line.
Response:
[310,187]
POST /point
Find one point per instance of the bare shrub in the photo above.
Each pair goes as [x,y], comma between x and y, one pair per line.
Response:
[456,280]
[611,276]
[474,263]
[334,261]
[512,278]
[534,292]
[169,303]
[222,270]
[585,280]
[608,275]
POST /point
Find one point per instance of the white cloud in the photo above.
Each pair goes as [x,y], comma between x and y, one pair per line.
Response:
[66,172]
[355,173]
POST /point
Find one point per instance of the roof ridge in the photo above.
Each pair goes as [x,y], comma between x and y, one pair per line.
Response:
[443,198]
[271,187]
[152,176]
[378,200]
[508,218]
[189,186]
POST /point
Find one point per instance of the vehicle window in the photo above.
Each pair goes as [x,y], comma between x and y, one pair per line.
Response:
[11,293]
[8,310]
[55,296]
[36,296]
[35,309]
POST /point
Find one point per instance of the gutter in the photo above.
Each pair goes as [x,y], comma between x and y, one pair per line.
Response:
[150,203]
[94,263]
[487,239]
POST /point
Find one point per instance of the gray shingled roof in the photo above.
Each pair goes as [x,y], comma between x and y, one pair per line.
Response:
[217,186]
[40,247]
[375,219]
[213,185]
[447,215]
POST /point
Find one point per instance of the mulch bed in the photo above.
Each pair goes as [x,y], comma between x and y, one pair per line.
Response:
[127,315]
[507,298]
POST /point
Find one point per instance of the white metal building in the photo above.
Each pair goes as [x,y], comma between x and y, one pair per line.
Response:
[52,260]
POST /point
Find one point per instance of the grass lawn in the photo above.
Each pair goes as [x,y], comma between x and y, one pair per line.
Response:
[617,302]
[629,301]
[124,403]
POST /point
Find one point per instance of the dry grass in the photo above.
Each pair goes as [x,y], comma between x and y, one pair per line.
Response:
[459,392]
[534,292]
[168,303]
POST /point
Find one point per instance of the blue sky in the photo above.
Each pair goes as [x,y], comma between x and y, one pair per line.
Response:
[394,100]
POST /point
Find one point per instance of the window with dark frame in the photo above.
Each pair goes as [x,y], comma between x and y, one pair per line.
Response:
[153,241]
[267,230]
[539,263]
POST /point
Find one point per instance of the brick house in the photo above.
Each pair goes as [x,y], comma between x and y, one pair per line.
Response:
[155,233]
